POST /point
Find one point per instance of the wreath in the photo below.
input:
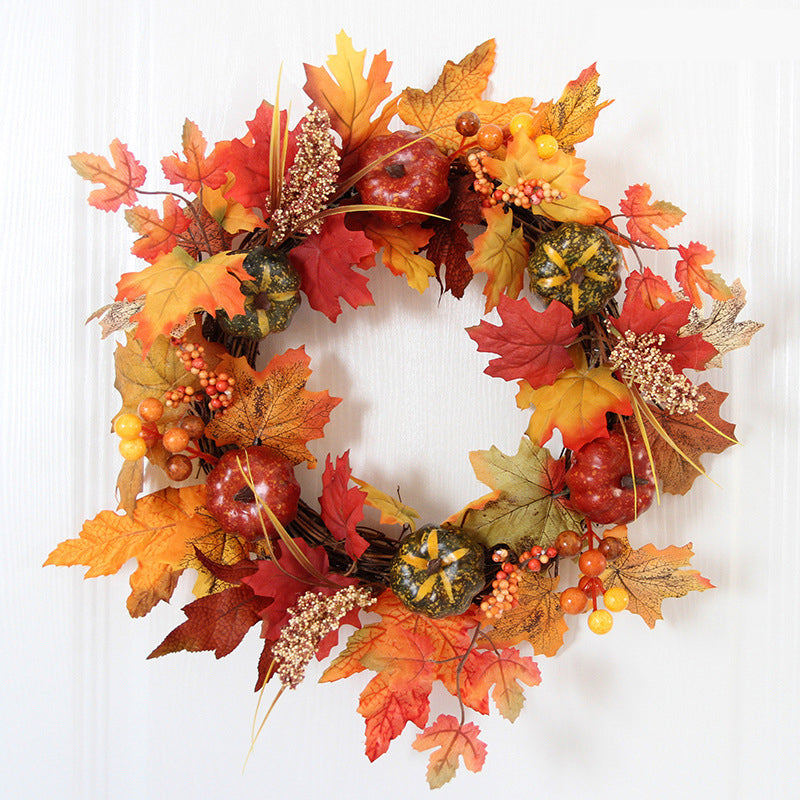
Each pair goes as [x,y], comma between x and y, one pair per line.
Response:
[252,227]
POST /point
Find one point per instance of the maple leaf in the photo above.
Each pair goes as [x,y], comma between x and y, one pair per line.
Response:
[400,250]
[502,253]
[720,328]
[249,158]
[571,119]
[342,508]
[576,403]
[688,351]
[218,558]
[150,584]
[644,217]
[159,235]
[524,510]
[530,344]
[197,170]
[274,406]
[215,622]
[351,99]
[120,181]
[455,740]
[650,576]
[175,285]
[458,88]
[325,261]
[538,619]
[231,216]
[158,533]
[653,289]
[393,512]
[564,173]
[130,482]
[693,278]
[692,435]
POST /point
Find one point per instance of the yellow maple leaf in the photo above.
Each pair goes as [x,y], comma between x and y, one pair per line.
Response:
[400,250]
[459,88]
[393,511]
[502,253]
[233,217]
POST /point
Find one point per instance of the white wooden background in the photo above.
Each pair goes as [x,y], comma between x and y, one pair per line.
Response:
[704,706]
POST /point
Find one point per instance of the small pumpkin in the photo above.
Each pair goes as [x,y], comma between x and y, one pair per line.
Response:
[437,571]
[271,297]
[578,265]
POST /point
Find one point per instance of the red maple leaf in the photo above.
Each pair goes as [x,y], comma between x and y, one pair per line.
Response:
[120,181]
[159,234]
[250,158]
[342,508]
[644,217]
[690,352]
[197,169]
[531,345]
[693,278]
[653,288]
[326,262]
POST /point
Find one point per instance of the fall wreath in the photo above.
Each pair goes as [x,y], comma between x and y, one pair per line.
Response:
[599,344]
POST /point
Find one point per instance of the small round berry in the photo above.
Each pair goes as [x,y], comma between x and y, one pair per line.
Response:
[546,145]
[178,467]
[175,440]
[616,598]
[132,449]
[490,137]
[611,547]
[568,543]
[127,426]
[521,123]
[600,621]
[591,587]
[150,409]
[468,123]
[592,563]
[194,426]
[572,600]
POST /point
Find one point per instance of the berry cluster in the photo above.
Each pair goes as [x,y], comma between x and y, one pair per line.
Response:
[525,194]
[218,388]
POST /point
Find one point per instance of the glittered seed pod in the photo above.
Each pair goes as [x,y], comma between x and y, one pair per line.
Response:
[271,297]
[578,265]
[437,571]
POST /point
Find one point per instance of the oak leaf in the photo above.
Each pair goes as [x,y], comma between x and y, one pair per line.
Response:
[326,262]
[695,434]
[342,506]
[650,576]
[693,278]
[401,246]
[571,118]
[158,235]
[197,170]
[501,251]
[654,290]
[524,509]
[576,403]
[538,619]
[454,740]
[120,182]
[531,345]
[720,328]
[458,88]
[175,286]
[393,511]
[644,217]
[274,406]
[350,98]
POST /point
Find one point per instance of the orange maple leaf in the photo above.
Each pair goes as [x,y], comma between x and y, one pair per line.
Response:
[644,217]
[502,253]
[576,403]
[159,234]
[454,740]
[653,288]
[159,534]
[693,278]
[400,250]
[175,285]
[650,575]
[197,170]
[459,88]
[350,98]
[120,181]
[275,407]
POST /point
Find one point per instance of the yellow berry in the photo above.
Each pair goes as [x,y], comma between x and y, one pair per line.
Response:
[616,599]
[600,621]
[127,426]
[546,145]
[521,123]
[132,449]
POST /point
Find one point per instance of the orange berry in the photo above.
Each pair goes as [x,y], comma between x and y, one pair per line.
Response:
[490,136]
[546,145]
[175,440]
[132,449]
[572,600]
[150,409]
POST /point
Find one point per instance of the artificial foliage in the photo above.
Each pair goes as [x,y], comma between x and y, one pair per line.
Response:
[444,187]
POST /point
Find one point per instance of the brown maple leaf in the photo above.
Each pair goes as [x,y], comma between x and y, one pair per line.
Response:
[274,406]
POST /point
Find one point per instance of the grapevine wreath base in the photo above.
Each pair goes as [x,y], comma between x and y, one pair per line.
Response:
[599,345]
